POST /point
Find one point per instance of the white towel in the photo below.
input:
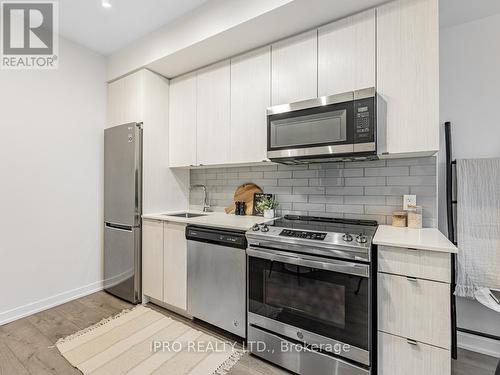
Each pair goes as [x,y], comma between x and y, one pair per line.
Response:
[478,226]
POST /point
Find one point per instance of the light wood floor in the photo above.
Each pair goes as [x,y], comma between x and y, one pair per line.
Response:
[27,345]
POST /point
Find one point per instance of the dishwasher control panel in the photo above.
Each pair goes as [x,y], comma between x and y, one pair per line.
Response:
[217,236]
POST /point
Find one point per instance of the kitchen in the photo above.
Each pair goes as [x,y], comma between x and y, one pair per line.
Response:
[283,191]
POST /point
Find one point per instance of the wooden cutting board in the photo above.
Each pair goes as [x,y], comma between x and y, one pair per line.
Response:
[244,193]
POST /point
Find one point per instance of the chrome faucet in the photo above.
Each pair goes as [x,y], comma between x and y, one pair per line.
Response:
[206,206]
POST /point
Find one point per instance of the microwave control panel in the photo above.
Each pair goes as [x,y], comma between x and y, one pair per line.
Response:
[364,120]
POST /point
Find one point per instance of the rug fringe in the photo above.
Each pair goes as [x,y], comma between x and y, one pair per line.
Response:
[69,338]
[224,368]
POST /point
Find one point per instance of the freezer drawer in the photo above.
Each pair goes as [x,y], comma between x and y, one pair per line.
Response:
[217,285]
[122,174]
[122,261]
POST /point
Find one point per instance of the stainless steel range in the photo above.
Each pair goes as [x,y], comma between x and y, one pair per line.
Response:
[310,294]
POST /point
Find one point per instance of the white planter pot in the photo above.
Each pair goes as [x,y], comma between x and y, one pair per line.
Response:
[268,214]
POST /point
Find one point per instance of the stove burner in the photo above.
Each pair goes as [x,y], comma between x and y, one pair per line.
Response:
[303,234]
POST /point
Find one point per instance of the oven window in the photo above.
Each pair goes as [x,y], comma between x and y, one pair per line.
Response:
[311,129]
[327,303]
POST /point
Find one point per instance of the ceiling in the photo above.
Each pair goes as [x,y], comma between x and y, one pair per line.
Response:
[455,12]
[106,30]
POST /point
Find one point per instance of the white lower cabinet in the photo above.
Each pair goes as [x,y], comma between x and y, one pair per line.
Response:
[414,320]
[398,356]
[415,308]
[152,258]
[175,265]
[164,262]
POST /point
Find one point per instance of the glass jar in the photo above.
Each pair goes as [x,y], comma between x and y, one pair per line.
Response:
[415,217]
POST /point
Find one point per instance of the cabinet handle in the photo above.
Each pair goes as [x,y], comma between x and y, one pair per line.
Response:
[412,342]
[412,279]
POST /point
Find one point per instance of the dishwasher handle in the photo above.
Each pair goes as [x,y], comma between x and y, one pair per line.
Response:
[217,236]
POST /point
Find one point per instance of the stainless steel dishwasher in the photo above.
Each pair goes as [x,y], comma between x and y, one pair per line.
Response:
[216,271]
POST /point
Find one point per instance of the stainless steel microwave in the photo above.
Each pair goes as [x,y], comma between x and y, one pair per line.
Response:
[329,128]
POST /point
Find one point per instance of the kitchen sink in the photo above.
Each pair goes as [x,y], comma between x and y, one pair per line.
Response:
[186,215]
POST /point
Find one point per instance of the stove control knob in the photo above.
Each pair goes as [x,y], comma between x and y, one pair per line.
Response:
[264,228]
[361,238]
[256,227]
[347,237]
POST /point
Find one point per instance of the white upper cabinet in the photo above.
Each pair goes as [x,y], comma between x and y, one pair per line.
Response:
[250,96]
[213,114]
[144,97]
[346,54]
[125,99]
[295,68]
[408,77]
[182,115]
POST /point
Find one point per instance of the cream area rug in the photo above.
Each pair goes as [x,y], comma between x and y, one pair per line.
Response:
[142,341]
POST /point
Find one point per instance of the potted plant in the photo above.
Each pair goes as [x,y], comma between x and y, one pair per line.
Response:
[268,205]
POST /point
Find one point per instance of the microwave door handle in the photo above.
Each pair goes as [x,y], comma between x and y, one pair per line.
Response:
[327,265]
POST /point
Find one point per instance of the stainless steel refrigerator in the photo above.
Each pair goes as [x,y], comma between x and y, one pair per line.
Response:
[122,211]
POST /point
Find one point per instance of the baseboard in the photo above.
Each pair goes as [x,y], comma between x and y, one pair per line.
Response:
[47,303]
[478,344]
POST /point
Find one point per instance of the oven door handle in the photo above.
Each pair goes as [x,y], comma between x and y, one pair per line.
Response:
[350,268]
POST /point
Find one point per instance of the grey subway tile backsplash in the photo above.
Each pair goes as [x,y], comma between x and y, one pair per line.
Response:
[343,190]
[361,190]
[423,170]
[412,180]
[336,199]
[365,181]
[387,171]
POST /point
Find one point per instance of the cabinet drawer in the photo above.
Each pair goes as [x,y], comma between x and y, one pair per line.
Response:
[414,308]
[397,356]
[415,263]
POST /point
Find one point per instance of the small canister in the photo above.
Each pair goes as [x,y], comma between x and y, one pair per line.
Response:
[415,217]
[399,219]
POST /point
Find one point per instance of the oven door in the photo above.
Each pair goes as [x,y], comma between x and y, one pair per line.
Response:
[319,301]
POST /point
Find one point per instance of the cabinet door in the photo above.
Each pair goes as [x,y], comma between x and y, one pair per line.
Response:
[175,265]
[430,265]
[152,258]
[408,76]
[294,68]
[414,308]
[250,96]
[125,100]
[399,356]
[346,54]
[182,121]
[213,114]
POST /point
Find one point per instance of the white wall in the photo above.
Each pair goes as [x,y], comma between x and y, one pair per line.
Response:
[470,99]
[51,182]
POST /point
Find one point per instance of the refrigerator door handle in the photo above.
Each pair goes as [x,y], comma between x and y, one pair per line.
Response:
[126,228]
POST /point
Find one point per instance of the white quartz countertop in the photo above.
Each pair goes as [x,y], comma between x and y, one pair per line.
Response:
[422,239]
[211,219]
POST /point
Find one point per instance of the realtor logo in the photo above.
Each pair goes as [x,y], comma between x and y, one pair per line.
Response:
[29,37]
